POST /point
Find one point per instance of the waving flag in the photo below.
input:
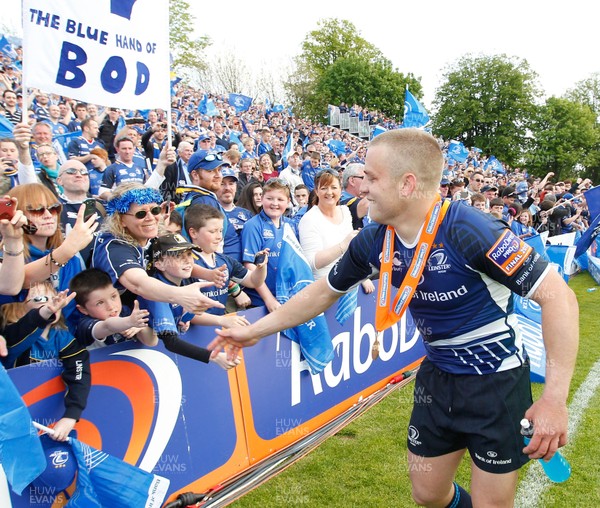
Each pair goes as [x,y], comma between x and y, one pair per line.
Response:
[235,139]
[294,274]
[287,149]
[6,128]
[378,130]
[21,453]
[415,114]
[494,164]
[337,146]
[104,480]
[203,104]
[240,102]
[592,197]
[211,109]
[7,48]
[457,151]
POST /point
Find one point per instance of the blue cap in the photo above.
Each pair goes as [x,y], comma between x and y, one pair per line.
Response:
[229,172]
[202,137]
[445,181]
[61,465]
[205,159]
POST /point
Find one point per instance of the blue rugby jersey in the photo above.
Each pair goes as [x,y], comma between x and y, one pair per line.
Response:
[463,304]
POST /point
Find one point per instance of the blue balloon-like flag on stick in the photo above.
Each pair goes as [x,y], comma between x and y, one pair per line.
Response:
[240,102]
[457,151]
[415,114]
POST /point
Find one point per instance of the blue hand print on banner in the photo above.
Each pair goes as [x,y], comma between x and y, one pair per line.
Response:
[122,8]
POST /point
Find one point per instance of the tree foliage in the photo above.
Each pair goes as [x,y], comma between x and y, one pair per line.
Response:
[186,51]
[488,102]
[587,91]
[337,65]
[564,134]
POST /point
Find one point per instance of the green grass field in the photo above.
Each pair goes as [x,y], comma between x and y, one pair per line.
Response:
[365,463]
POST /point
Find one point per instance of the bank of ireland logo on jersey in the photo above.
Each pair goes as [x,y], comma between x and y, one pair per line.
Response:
[509,252]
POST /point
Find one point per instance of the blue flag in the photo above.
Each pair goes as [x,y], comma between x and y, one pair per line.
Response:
[277,108]
[211,109]
[415,114]
[104,480]
[378,130]
[592,198]
[65,139]
[6,128]
[244,128]
[235,139]
[337,146]
[293,275]
[21,453]
[494,164]
[240,102]
[202,105]
[457,151]
[7,48]
[287,149]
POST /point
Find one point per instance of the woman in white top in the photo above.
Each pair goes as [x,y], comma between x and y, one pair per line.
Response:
[325,230]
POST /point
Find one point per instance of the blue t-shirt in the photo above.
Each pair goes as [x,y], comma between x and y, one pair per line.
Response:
[463,305]
[233,243]
[235,272]
[119,173]
[260,233]
[78,147]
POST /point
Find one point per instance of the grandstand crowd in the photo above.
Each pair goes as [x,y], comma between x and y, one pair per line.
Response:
[131,221]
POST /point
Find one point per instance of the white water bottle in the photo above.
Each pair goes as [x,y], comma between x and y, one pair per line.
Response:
[557,469]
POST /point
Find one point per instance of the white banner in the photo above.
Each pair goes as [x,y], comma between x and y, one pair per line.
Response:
[109,52]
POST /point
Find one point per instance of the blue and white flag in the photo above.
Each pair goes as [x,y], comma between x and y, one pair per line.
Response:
[592,198]
[529,317]
[6,128]
[98,52]
[240,102]
[337,146]
[415,114]
[293,275]
[378,130]
[495,165]
[211,109]
[21,452]
[346,306]
[457,151]
[104,480]
[7,48]
[561,257]
[202,105]
[233,137]
[287,149]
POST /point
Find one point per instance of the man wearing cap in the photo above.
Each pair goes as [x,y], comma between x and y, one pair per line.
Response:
[202,142]
[204,168]
[236,215]
[508,198]
[445,188]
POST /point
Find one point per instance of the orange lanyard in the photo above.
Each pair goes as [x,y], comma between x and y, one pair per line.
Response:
[384,315]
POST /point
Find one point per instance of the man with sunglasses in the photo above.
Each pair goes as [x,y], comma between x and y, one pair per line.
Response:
[475,182]
[473,386]
[74,179]
[204,168]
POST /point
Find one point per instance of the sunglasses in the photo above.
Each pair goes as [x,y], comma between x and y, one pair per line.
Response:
[74,171]
[213,156]
[328,171]
[53,209]
[141,214]
[39,299]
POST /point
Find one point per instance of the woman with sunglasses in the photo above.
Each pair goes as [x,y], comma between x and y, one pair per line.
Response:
[133,215]
[48,254]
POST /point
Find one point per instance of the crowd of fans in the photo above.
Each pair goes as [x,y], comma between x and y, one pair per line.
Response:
[131,221]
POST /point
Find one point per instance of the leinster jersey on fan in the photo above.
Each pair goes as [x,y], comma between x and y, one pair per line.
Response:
[463,304]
